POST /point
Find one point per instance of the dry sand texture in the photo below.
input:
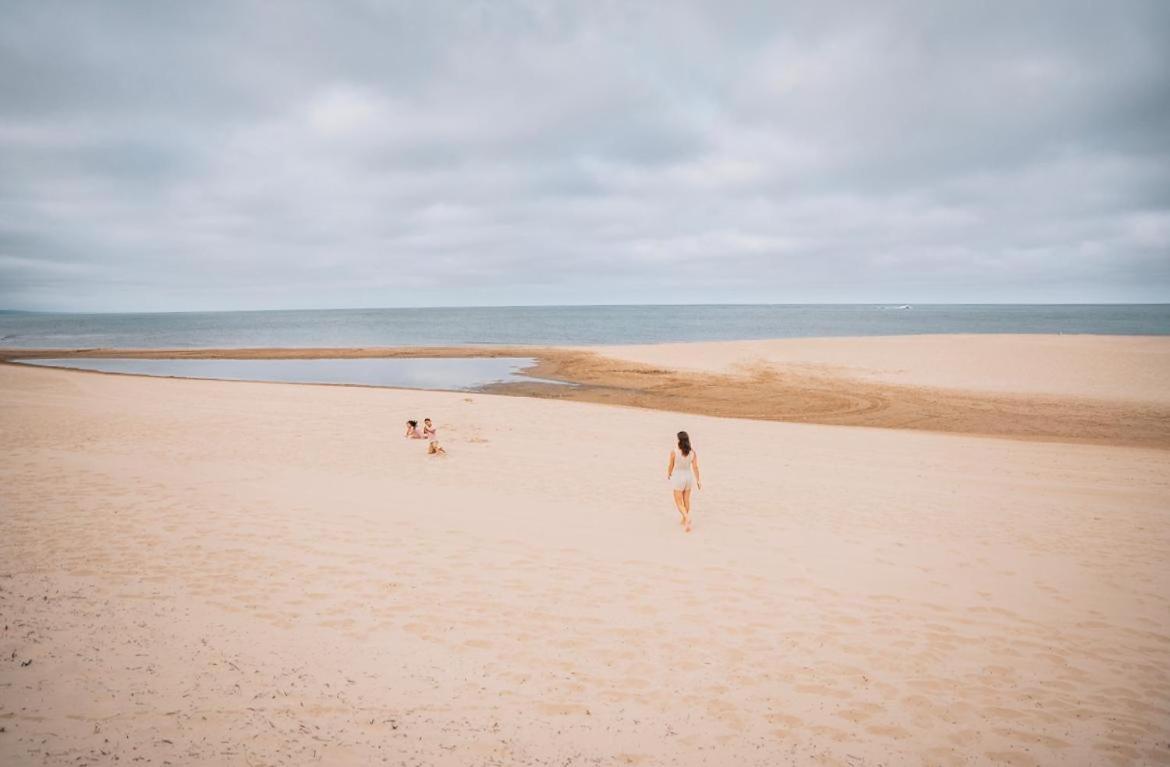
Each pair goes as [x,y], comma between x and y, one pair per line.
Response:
[245,574]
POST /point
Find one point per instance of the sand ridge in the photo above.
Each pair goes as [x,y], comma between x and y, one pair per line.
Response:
[232,573]
[1123,368]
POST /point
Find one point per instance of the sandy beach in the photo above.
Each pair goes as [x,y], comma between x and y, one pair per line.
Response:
[200,572]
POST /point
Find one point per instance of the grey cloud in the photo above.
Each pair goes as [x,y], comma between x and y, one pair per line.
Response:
[255,155]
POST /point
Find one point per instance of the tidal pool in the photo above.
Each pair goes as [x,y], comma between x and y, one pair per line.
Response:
[451,373]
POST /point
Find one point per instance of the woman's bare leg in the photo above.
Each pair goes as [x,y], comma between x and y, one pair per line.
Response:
[682,509]
[686,499]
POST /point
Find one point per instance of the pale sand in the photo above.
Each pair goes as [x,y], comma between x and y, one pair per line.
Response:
[1125,368]
[233,573]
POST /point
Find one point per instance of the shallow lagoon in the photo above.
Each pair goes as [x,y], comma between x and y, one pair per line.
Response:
[450,373]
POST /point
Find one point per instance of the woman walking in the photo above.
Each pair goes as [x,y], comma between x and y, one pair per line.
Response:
[683,472]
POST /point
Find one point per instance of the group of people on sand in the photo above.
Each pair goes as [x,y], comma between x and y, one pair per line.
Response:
[428,432]
[682,470]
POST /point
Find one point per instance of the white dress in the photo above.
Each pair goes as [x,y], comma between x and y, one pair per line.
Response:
[682,478]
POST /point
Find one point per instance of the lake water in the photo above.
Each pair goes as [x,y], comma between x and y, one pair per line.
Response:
[561,325]
[460,374]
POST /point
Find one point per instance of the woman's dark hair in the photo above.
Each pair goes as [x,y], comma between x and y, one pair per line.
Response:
[684,443]
[412,423]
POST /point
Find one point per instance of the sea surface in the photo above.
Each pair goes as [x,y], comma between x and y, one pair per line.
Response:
[457,374]
[562,325]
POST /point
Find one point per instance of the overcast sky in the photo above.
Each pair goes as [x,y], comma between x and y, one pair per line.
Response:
[208,155]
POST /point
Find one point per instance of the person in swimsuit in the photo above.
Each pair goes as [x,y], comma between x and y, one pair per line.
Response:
[429,431]
[412,430]
[683,473]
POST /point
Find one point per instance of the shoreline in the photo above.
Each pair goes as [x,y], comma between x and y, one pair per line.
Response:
[792,391]
[797,388]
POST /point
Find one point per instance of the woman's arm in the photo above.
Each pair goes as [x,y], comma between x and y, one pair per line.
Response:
[695,466]
[670,466]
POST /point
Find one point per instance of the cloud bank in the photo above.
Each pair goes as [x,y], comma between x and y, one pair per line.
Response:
[293,155]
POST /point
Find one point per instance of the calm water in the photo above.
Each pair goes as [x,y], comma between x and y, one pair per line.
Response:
[562,325]
[457,373]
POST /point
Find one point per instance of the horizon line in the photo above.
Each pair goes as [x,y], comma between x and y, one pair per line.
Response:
[584,306]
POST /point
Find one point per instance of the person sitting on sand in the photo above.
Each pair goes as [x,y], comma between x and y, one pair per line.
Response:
[412,430]
[429,431]
[683,471]
[435,448]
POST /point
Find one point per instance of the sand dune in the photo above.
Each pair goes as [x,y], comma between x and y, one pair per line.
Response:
[199,572]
